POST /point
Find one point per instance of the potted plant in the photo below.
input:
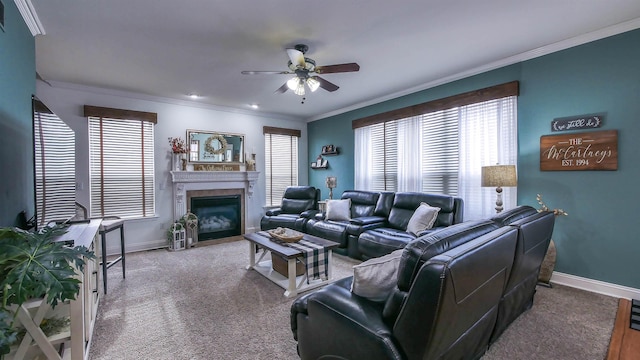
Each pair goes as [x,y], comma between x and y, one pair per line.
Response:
[33,265]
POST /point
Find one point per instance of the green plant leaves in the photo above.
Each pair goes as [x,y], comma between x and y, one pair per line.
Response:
[33,265]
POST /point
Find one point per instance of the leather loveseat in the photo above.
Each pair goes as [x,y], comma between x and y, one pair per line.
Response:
[456,290]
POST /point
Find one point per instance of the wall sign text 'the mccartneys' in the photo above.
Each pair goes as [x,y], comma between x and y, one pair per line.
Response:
[596,150]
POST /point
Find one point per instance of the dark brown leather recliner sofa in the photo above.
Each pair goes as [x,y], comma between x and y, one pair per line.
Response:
[457,289]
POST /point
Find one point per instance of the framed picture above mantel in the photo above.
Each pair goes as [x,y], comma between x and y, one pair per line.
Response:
[597,150]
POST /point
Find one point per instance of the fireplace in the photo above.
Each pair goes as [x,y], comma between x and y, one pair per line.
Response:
[218,216]
[205,184]
[220,212]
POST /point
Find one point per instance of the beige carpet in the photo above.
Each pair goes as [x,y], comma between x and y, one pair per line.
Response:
[202,304]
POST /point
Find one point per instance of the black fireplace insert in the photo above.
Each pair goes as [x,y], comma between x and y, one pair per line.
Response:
[218,216]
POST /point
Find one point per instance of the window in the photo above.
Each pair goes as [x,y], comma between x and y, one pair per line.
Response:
[121,162]
[55,166]
[440,147]
[281,162]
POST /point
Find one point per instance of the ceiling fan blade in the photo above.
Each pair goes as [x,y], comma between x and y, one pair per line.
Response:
[266,72]
[329,86]
[338,68]
[296,57]
[282,89]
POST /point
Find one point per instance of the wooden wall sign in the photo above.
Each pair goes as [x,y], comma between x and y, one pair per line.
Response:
[596,150]
[577,122]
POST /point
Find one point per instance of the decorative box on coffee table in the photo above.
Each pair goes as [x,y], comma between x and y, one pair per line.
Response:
[279,264]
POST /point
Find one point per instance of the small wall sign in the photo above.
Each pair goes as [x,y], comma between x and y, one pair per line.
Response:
[596,150]
[577,122]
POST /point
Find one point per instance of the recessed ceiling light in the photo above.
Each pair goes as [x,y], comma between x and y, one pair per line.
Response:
[254,106]
[194,96]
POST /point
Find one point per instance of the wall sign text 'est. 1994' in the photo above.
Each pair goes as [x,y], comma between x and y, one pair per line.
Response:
[596,150]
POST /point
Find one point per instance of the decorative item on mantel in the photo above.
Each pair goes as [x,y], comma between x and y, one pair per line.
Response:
[549,261]
[190,221]
[251,163]
[179,154]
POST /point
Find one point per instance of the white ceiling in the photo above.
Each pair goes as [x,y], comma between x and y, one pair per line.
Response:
[171,48]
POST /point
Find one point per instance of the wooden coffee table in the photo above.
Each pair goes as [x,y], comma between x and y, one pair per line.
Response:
[292,284]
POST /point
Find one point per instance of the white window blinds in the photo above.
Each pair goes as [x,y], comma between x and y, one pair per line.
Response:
[281,162]
[441,151]
[121,167]
[55,166]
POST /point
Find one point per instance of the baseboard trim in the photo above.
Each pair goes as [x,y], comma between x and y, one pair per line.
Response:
[595,286]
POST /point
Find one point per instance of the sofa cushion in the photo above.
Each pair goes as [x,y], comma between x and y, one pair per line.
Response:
[381,241]
[423,218]
[296,206]
[297,199]
[339,210]
[363,203]
[375,277]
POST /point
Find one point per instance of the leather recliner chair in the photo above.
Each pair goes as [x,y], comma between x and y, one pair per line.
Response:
[534,234]
[298,204]
[444,305]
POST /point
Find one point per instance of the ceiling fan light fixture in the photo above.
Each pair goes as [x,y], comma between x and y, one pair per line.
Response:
[313,84]
[293,83]
[300,89]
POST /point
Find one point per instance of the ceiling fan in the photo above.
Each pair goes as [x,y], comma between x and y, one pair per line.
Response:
[302,67]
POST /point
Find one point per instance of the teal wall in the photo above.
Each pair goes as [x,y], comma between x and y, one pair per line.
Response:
[598,239]
[17,84]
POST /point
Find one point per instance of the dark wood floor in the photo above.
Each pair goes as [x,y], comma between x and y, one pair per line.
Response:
[625,342]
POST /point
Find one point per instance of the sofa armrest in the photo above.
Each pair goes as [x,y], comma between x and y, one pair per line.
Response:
[309,214]
[367,220]
[274,212]
[429,231]
[359,225]
[349,317]
[319,216]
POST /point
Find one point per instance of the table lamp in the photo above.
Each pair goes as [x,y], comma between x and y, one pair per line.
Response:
[498,176]
[332,182]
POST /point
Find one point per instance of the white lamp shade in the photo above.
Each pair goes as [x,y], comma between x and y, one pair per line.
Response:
[499,176]
[293,83]
[313,84]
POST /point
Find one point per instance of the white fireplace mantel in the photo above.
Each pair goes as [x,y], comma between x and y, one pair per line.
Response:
[184,181]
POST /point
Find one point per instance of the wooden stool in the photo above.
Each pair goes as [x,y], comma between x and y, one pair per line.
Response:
[108,225]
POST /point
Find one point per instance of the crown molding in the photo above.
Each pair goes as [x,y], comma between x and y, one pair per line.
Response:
[30,17]
[528,55]
[165,100]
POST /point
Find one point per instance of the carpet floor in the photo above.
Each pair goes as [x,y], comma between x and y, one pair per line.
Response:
[202,303]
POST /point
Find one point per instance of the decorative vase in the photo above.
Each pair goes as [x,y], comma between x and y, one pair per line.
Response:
[549,262]
[179,162]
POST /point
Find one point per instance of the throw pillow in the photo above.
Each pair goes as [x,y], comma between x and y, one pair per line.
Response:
[375,278]
[422,219]
[339,209]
